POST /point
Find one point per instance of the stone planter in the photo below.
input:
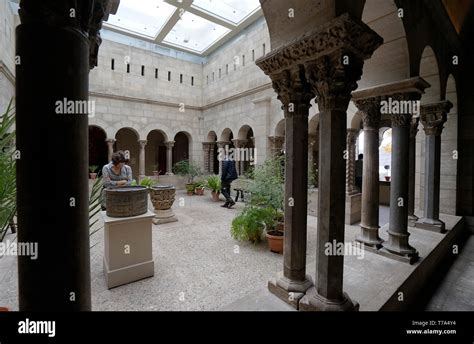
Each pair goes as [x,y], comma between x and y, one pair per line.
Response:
[162,198]
[126,201]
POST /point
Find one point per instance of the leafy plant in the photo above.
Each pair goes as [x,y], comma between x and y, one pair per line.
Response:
[95,204]
[187,169]
[214,183]
[93,168]
[7,170]
[250,224]
[200,184]
[266,189]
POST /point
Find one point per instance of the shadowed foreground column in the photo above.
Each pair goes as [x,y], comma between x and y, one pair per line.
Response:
[52,81]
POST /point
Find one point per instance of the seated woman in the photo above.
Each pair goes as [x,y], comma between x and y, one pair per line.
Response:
[116,174]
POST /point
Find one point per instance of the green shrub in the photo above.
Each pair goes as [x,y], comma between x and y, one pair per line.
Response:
[250,224]
[187,169]
[214,183]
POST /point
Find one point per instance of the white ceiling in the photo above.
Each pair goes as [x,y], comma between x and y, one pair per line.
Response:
[196,26]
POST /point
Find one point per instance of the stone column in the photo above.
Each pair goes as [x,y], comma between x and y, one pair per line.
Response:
[110,147]
[53,204]
[169,157]
[221,146]
[369,225]
[311,143]
[295,95]
[433,117]
[412,218]
[240,158]
[141,162]
[206,146]
[351,188]
[276,144]
[212,146]
[397,243]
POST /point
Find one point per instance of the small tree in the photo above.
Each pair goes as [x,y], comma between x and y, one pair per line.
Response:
[187,169]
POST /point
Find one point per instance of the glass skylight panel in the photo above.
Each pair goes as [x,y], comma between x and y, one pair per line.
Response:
[143,17]
[195,33]
[231,10]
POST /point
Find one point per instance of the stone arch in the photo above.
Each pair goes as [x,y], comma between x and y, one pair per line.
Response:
[182,147]
[213,163]
[127,141]
[110,132]
[280,128]
[356,122]
[227,135]
[155,153]
[152,127]
[212,136]
[128,125]
[385,66]
[243,132]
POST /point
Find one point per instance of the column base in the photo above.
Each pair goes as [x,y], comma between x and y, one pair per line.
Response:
[397,247]
[313,302]
[169,173]
[289,291]
[431,225]
[369,236]
[164,216]
[412,219]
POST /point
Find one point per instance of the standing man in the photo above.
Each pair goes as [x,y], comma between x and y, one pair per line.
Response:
[229,174]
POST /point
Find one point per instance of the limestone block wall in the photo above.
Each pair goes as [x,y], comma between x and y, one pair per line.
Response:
[7,53]
[185,85]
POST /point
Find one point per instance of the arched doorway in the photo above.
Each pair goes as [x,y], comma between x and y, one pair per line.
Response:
[98,151]
[213,157]
[181,147]
[155,153]
[127,141]
[247,149]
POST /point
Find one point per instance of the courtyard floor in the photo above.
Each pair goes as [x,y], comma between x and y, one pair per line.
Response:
[199,267]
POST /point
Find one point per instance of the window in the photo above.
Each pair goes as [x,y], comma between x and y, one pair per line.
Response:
[192,81]
[143,70]
[207,77]
[213,78]
[112,65]
[169,76]
[128,67]
[156,73]
[181,78]
[226,69]
[253,55]
[220,73]
[243,60]
[264,49]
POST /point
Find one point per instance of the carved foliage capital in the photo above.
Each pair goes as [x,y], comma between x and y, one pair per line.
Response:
[370,108]
[414,126]
[401,120]
[433,117]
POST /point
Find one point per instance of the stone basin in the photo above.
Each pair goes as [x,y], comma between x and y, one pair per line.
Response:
[126,201]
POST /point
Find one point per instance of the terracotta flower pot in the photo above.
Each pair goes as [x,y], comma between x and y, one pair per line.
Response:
[190,189]
[215,196]
[199,191]
[275,241]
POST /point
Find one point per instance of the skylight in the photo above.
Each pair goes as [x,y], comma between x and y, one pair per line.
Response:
[231,10]
[196,26]
[195,33]
[144,17]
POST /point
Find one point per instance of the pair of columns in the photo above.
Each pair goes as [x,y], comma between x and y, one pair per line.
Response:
[328,67]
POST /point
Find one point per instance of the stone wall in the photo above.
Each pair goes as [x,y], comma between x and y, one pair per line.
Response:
[7,53]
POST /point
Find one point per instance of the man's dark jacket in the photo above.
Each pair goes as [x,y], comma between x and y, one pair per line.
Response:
[229,173]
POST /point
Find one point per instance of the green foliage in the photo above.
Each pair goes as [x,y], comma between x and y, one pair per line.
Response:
[95,199]
[214,183]
[313,176]
[267,187]
[200,184]
[187,169]
[7,169]
[147,182]
[93,168]
[250,224]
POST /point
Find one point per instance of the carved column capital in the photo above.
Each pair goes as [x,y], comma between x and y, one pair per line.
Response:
[293,91]
[370,108]
[433,116]
[110,141]
[143,143]
[170,144]
[239,143]
[222,144]
[332,80]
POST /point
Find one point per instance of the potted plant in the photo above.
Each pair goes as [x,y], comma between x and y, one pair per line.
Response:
[251,223]
[189,170]
[199,188]
[214,184]
[93,172]
[275,232]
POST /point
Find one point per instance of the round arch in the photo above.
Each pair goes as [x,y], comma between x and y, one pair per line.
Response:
[127,141]
[182,147]
[98,149]
[155,153]
[280,128]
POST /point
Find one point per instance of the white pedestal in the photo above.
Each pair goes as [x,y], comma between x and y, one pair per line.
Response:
[128,249]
